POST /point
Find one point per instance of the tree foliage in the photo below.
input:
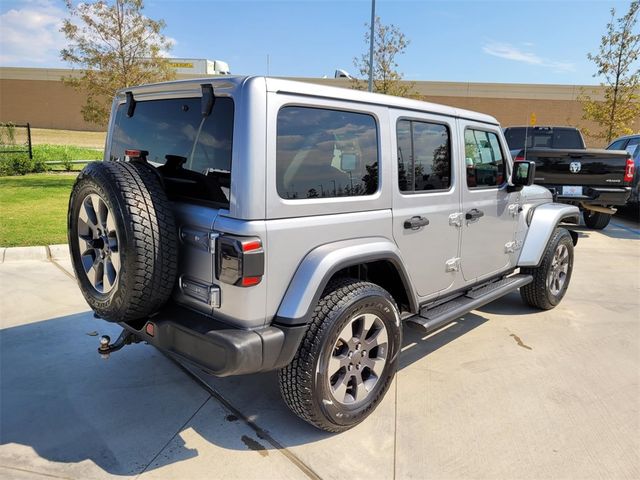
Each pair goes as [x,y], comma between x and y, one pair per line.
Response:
[115,46]
[388,43]
[616,62]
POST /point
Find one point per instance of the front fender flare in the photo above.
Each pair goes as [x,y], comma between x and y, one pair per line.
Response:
[544,221]
[317,268]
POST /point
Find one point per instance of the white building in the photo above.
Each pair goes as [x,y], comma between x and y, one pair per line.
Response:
[199,66]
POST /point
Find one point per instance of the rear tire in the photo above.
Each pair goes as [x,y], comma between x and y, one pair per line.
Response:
[551,278]
[596,220]
[122,239]
[347,358]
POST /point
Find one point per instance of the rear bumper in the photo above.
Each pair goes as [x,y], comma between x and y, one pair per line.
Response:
[601,196]
[215,347]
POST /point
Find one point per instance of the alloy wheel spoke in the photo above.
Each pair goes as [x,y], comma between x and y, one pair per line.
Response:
[339,390]
[346,334]
[110,224]
[378,338]
[376,365]
[336,362]
[359,390]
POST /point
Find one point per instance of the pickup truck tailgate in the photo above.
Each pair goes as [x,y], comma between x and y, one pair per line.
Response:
[590,168]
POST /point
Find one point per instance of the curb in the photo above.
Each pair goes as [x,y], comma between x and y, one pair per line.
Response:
[26,254]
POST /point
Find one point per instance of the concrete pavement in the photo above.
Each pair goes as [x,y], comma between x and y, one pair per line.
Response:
[506,392]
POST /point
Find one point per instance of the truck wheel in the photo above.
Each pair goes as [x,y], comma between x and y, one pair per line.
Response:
[122,240]
[551,278]
[596,220]
[347,358]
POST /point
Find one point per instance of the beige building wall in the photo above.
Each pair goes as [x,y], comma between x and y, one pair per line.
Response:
[39,96]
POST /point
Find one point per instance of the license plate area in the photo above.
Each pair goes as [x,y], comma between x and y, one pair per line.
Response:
[571,191]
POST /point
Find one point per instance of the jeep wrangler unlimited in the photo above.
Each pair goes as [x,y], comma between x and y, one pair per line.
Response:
[248,224]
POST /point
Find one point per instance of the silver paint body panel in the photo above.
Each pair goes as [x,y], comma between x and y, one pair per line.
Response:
[305,239]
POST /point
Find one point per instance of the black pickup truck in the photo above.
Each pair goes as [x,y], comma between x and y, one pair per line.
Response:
[595,180]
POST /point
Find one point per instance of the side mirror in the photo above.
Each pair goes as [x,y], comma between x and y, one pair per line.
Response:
[523,175]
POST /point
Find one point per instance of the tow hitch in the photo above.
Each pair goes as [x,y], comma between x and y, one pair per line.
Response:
[125,338]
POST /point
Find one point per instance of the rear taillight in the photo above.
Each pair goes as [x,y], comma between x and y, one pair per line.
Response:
[519,158]
[629,170]
[239,260]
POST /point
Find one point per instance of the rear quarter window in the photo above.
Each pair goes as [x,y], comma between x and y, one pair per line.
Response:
[323,153]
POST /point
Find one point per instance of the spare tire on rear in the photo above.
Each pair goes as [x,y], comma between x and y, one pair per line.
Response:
[122,239]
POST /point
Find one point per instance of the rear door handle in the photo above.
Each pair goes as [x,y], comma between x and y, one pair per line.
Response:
[474,214]
[415,223]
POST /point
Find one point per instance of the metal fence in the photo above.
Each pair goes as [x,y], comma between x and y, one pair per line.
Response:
[15,139]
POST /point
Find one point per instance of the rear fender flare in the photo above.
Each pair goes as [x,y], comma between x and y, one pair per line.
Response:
[544,221]
[317,268]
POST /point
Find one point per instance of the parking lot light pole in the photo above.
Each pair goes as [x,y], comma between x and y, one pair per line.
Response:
[373,23]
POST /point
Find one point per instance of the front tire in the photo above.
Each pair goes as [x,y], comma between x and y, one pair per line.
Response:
[347,358]
[551,278]
[596,220]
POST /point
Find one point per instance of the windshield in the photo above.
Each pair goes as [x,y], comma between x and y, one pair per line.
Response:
[543,137]
[192,151]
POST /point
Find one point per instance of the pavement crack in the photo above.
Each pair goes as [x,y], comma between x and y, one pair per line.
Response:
[262,434]
[34,472]
[395,426]
[56,264]
[172,437]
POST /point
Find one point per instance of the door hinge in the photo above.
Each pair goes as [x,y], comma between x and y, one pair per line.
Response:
[455,219]
[212,241]
[511,247]
[452,265]
[514,209]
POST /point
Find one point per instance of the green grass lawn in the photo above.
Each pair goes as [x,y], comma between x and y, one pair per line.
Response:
[33,209]
[65,152]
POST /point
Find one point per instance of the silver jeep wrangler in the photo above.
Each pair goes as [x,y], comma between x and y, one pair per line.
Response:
[248,224]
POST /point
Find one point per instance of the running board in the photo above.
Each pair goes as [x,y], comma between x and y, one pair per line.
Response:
[431,319]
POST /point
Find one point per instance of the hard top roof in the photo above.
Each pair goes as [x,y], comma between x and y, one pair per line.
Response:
[313,90]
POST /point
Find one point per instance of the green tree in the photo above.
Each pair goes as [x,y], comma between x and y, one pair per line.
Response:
[115,46]
[617,66]
[388,43]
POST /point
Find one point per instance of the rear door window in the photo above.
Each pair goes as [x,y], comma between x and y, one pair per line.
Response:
[424,158]
[192,152]
[322,153]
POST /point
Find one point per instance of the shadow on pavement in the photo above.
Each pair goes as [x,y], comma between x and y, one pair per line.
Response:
[60,398]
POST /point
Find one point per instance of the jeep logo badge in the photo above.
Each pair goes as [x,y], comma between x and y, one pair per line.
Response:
[575,167]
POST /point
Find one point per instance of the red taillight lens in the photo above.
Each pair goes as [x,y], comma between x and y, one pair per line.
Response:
[629,170]
[251,245]
[150,328]
[519,158]
[250,281]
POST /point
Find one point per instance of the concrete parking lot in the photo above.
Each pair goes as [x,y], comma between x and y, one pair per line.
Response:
[505,392]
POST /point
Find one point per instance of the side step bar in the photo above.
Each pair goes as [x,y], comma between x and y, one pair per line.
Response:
[431,319]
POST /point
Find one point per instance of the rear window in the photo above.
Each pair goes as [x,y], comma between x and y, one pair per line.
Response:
[541,137]
[192,152]
[323,153]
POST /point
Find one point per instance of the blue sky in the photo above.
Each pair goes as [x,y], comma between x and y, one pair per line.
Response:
[517,41]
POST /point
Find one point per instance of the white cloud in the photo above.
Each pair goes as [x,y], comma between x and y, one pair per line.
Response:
[513,53]
[30,34]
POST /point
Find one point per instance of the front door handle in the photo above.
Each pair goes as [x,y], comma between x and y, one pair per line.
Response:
[416,223]
[474,214]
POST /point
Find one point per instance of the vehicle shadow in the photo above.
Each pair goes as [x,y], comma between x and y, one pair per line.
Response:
[510,304]
[58,397]
[615,229]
